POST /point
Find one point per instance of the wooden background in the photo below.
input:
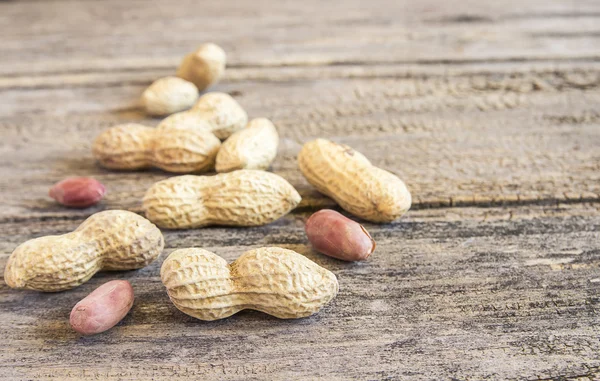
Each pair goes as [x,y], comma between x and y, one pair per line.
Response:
[490,112]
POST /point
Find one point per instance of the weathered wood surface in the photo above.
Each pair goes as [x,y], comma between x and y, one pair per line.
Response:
[490,111]
[464,293]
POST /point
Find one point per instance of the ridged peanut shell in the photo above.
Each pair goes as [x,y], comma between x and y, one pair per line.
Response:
[273,280]
[253,147]
[109,240]
[240,198]
[222,113]
[133,146]
[348,177]
[186,120]
[169,95]
[184,151]
[204,67]
[126,146]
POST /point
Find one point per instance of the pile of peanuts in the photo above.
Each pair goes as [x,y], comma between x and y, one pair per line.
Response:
[201,134]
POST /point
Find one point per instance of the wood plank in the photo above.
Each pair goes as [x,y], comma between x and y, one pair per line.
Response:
[112,34]
[474,138]
[501,293]
[488,110]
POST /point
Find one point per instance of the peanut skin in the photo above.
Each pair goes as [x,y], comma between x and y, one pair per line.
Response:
[78,192]
[103,308]
[335,235]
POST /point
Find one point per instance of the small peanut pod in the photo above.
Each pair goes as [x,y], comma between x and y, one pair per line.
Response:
[349,178]
[133,146]
[78,192]
[203,67]
[186,120]
[109,240]
[333,234]
[273,280]
[103,308]
[240,198]
[222,113]
[168,95]
[253,147]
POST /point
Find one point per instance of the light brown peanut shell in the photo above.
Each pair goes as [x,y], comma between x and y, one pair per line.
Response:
[204,67]
[222,112]
[109,240]
[349,178]
[169,95]
[273,280]
[134,146]
[186,120]
[240,198]
[253,147]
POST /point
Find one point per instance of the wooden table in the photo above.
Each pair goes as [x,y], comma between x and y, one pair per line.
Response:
[490,112]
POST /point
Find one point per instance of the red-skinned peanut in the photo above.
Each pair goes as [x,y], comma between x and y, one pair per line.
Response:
[78,192]
[103,308]
[335,235]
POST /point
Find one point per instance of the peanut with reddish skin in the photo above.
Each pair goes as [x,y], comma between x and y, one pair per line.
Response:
[78,192]
[333,234]
[103,308]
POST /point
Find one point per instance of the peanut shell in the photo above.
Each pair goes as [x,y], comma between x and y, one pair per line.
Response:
[273,280]
[253,147]
[349,178]
[240,198]
[109,240]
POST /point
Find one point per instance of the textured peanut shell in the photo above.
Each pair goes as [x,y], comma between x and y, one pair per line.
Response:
[204,67]
[109,240]
[240,198]
[253,147]
[348,177]
[222,113]
[169,95]
[133,146]
[186,120]
[273,280]
[126,146]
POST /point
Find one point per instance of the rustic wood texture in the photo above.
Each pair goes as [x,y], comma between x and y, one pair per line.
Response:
[490,112]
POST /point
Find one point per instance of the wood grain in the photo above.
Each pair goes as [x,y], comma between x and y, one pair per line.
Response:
[114,34]
[445,294]
[465,139]
[489,111]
